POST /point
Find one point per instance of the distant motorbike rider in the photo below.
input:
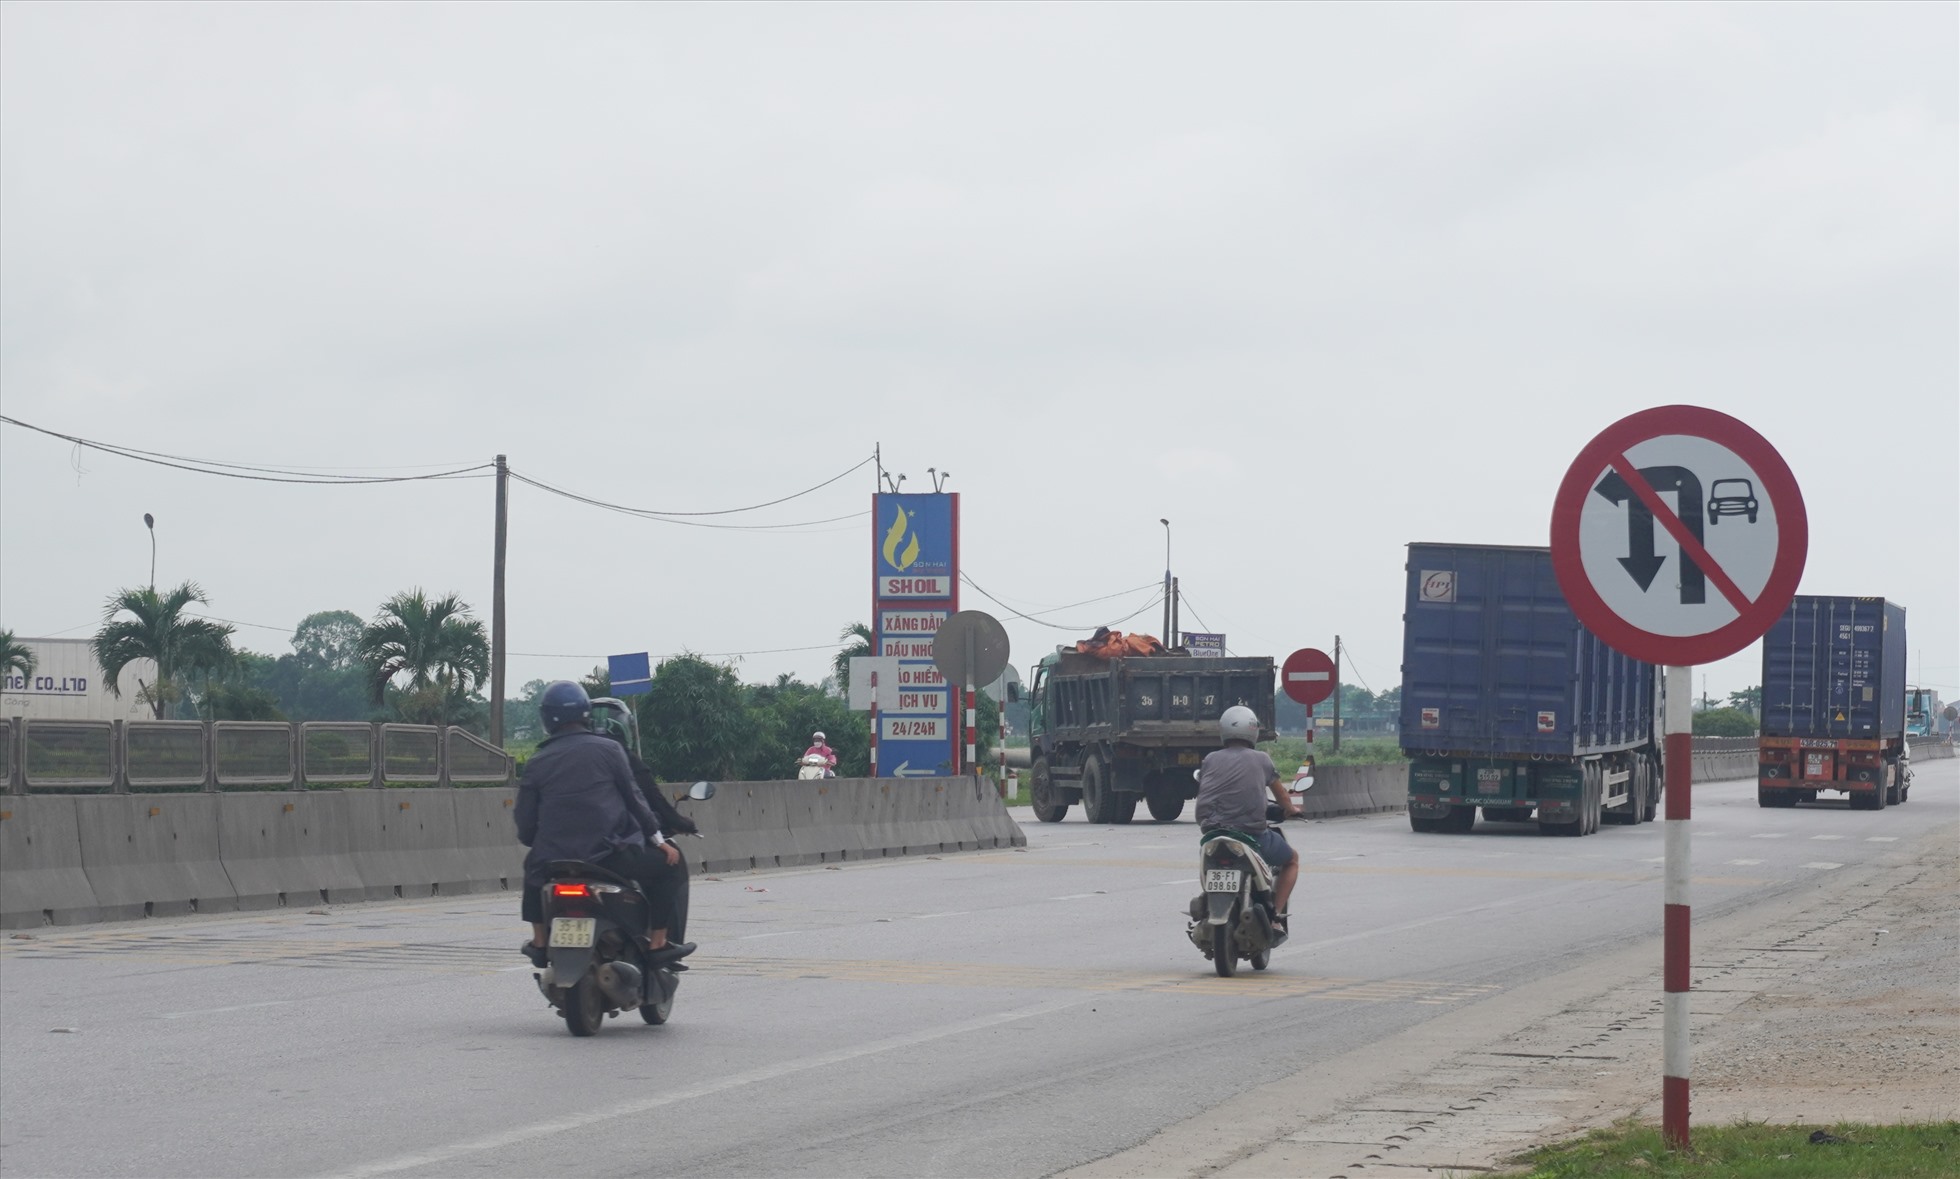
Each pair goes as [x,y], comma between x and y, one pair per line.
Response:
[1233,786]
[612,721]
[578,801]
[819,749]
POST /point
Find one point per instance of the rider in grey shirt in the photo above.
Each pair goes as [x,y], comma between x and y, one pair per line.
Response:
[1233,786]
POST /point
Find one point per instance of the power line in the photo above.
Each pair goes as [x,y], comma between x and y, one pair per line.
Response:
[662,513]
[1072,605]
[243,471]
[1156,598]
[643,514]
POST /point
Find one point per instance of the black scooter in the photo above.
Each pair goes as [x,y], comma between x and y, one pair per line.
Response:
[597,964]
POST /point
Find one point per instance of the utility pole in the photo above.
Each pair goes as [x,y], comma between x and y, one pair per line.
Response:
[1176,621]
[497,605]
[1337,695]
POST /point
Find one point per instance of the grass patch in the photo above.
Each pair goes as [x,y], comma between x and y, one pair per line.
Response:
[1288,752]
[1753,1150]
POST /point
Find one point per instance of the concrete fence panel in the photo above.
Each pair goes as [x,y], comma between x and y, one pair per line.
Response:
[41,876]
[153,855]
[68,756]
[254,753]
[165,754]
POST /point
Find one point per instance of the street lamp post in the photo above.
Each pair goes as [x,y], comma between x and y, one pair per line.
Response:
[150,522]
[1167,580]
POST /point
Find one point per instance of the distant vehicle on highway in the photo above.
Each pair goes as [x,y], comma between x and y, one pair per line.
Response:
[1732,497]
[1834,704]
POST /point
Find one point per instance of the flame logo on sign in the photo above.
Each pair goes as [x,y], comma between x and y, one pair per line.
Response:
[897,535]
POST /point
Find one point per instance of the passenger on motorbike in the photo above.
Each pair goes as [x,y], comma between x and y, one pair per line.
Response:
[1233,786]
[819,749]
[608,721]
[578,801]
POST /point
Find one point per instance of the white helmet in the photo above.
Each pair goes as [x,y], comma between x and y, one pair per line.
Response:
[817,736]
[1239,723]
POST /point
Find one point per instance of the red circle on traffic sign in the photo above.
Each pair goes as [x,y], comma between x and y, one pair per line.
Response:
[1605,457]
[1307,676]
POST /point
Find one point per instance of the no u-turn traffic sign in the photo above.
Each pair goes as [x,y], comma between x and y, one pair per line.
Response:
[1679,535]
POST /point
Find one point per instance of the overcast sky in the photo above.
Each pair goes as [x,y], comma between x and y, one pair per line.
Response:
[1312,281]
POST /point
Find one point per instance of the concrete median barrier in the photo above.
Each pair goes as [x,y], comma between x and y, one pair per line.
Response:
[41,876]
[405,843]
[486,834]
[76,859]
[281,849]
[153,855]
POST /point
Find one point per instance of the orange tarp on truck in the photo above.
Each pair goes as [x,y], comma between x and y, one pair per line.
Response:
[1114,644]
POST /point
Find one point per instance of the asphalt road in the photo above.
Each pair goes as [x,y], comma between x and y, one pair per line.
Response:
[996,1013]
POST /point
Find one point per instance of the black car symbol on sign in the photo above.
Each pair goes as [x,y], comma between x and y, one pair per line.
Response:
[1731,497]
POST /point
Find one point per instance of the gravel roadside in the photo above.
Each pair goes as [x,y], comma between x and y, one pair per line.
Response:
[1839,1004]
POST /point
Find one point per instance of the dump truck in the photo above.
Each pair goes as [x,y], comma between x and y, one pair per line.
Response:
[1512,707]
[1834,704]
[1111,732]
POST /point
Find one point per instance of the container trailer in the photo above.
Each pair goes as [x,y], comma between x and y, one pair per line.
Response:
[1510,706]
[1834,704]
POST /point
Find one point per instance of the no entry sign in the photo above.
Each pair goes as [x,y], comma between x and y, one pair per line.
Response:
[1307,676]
[1679,535]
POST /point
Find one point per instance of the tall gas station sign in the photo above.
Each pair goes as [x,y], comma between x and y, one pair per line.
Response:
[915,575]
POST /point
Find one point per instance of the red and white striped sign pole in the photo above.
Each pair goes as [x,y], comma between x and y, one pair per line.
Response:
[874,724]
[1678,752]
[972,735]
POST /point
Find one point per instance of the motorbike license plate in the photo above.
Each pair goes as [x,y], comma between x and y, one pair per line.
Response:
[572,933]
[1222,879]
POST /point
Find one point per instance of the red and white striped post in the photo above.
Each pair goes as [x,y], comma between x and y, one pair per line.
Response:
[972,734]
[874,724]
[1678,749]
[1000,708]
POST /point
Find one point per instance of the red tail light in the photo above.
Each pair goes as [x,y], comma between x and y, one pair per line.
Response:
[570,890]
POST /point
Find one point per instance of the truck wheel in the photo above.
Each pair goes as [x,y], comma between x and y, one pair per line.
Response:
[1462,819]
[1893,791]
[1653,805]
[1041,791]
[1100,801]
[1164,808]
[1423,826]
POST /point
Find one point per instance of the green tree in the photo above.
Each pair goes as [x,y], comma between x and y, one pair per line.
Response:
[521,714]
[157,629]
[323,678]
[242,691]
[16,658]
[431,651]
[1749,700]
[1724,722]
[695,724]
[857,639]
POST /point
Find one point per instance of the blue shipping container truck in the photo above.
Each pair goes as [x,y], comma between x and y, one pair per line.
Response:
[1834,703]
[1510,705]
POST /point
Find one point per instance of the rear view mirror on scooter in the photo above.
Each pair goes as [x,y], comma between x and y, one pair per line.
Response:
[701,791]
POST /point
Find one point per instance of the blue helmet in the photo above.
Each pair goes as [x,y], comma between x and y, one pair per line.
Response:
[561,703]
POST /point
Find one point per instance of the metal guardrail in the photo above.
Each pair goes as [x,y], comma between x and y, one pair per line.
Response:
[50,756]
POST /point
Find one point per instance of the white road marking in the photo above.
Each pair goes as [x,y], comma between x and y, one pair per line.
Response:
[443,1154]
[1769,835]
[1745,863]
[226,1010]
[1186,880]
[1827,837]
[930,916]
[1655,860]
[1075,896]
[1823,865]
[1881,839]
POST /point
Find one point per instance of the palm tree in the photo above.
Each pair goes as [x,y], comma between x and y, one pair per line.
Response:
[158,630]
[15,658]
[434,643]
[857,639]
